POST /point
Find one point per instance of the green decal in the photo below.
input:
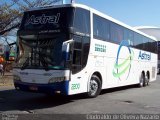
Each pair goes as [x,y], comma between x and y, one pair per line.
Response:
[75,86]
[100,48]
[122,68]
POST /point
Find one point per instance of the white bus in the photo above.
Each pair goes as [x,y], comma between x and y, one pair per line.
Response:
[71,49]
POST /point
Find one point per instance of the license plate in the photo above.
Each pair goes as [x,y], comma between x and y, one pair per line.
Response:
[33,88]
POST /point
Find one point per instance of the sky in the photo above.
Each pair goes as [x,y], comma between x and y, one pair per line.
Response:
[131,12]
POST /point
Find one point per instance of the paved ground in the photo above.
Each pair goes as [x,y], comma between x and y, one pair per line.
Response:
[123,100]
[6,80]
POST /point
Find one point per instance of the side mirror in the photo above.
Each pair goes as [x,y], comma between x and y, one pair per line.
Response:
[66,48]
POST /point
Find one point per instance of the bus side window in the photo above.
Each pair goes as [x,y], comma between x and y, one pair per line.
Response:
[101,28]
[77,54]
[82,21]
[145,43]
[116,33]
[80,53]
[77,50]
[129,35]
[138,41]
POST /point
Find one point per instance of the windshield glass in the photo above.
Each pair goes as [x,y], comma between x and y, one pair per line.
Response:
[41,51]
[40,38]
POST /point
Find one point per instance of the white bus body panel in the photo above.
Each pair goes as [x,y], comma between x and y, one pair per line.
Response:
[103,62]
[39,76]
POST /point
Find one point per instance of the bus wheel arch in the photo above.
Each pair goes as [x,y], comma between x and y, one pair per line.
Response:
[94,85]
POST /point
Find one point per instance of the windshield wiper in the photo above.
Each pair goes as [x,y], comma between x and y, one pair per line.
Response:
[25,64]
[44,63]
[42,60]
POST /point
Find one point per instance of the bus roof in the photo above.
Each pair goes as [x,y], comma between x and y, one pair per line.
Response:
[95,12]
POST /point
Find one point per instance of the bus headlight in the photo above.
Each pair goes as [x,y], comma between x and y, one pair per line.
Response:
[57,79]
[16,78]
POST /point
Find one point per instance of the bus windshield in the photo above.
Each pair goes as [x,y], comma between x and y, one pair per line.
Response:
[42,33]
[41,51]
[40,38]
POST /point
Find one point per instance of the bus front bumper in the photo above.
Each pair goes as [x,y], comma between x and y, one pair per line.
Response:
[59,87]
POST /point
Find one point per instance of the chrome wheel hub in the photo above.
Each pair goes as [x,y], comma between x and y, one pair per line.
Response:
[93,87]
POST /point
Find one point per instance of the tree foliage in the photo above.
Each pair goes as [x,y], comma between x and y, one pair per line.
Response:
[11,12]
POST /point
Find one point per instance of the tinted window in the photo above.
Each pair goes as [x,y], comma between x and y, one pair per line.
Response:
[146,43]
[100,28]
[77,54]
[138,41]
[104,29]
[77,57]
[129,35]
[78,42]
[155,47]
[82,21]
[80,53]
[48,19]
[116,33]
[86,46]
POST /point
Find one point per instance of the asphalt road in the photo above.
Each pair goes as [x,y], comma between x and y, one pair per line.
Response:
[120,100]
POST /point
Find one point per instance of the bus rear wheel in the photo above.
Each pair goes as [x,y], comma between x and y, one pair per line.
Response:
[142,81]
[94,86]
[147,80]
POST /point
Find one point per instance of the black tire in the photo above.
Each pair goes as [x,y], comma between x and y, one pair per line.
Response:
[94,87]
[147,81]
[158,71]
[142,81]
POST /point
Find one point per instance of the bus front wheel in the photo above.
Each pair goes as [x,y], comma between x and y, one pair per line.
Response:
[94,86]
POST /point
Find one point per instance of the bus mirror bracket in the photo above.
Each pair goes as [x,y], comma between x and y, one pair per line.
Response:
[66,50]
